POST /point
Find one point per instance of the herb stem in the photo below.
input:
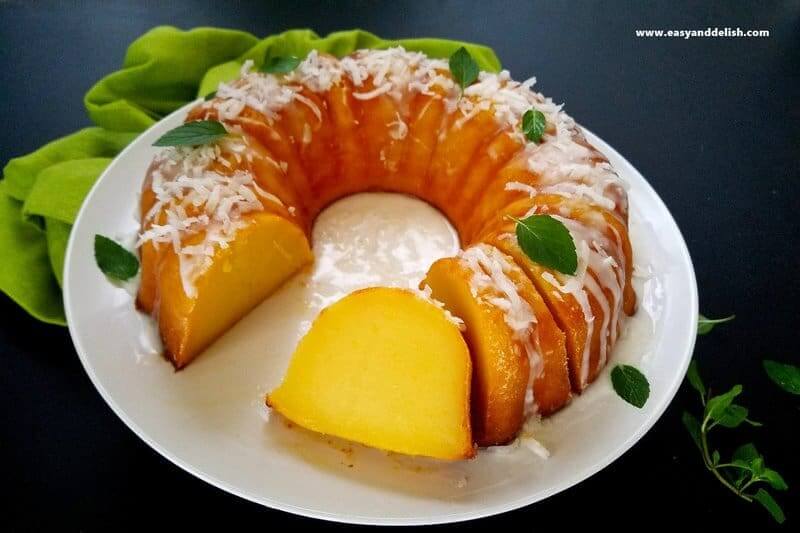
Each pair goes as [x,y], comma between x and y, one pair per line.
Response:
[731,465]
[715,469]
[747,462]
[752,480]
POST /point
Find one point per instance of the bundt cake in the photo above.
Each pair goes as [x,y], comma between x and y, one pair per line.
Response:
[225,222]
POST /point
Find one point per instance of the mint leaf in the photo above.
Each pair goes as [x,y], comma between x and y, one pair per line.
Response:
[746,453]
[210,96]
[533,125]
[630,385]
[693,427]
[192,134]
[743,473]
[464,68]
[757,466]
[774,479]
[732,416]
[738,479]
[717,406]
[548,242]
[705,324]
[694,380]
[280,64]
[113,260]
[785,376]
[764,498]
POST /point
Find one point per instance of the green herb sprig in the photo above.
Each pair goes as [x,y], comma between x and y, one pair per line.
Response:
[113,260]
[280,64]
[464,68]
[745,474]
[533,125]
[705,324]
[548,242]
[193,134]
[630,385]
[784,375]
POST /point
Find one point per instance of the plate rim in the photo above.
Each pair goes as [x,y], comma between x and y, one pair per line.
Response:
[671,390]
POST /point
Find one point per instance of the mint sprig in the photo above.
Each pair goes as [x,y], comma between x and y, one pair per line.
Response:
[705,324]
[786,376]
[746,469]
[548,242]
[113,260]
[533,125]
[463,68]
[193,134]
[280,64]
[630,385]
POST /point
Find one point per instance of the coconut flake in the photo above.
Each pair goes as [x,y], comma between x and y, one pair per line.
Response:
[426,293]
[490,283]
[195,200]
[398,129]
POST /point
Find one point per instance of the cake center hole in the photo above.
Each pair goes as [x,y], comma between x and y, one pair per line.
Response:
[376,239]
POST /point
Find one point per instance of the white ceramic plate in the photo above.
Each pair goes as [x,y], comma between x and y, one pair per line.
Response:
[210,418]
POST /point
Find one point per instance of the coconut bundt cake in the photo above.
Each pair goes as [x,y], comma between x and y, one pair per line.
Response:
[226,222]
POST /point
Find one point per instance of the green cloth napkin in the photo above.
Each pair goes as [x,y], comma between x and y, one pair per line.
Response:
[163,70]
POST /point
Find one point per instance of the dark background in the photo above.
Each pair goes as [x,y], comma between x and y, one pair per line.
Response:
[714,125]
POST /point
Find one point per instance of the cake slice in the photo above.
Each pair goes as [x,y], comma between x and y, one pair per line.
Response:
[587,307]
[385,368]
[502,314]
[264,254]
[550,373]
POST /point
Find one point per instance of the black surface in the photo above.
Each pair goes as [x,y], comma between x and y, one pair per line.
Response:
[714,125]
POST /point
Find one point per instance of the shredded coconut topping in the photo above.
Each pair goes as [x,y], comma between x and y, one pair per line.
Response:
[562,163]
[590,193]
[426,293]
[395,71]
[266,94]
[398,129]
[317,72]
[490,283]
[192,199]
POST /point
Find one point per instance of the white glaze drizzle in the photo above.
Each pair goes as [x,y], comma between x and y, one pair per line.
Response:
[591,247]
[490,283]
